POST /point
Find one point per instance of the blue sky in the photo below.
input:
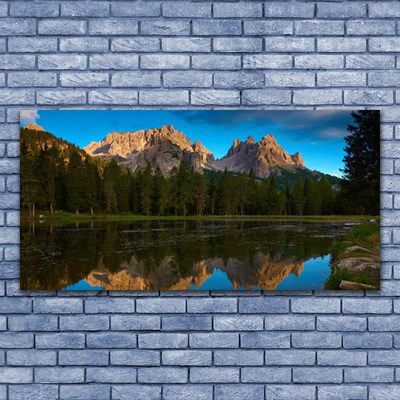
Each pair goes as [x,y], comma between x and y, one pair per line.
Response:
[317,135]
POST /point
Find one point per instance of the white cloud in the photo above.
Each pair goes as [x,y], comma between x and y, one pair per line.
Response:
[28,116]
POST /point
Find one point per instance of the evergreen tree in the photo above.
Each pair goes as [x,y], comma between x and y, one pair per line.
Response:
[146,190]
[362,162]
[76,199]
[160,194]
[225,194]
[298,197]
[212,195]
[184,187]
[241,186]
[289,200]
[327,196]
[199,193]
[272,196]
[264,208]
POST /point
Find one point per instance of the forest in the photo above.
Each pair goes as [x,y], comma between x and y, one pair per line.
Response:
[56,175]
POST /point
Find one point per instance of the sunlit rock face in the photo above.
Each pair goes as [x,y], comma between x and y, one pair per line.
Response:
[34,127]
[166,147]
[261,271]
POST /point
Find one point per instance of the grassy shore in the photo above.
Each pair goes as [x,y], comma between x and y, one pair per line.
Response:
[360,246]
[62,216]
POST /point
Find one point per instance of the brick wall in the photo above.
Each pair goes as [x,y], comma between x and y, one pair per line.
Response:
[203,345]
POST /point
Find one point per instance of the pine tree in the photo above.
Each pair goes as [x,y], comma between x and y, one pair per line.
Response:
[327,196]
[199,193]
[272,195]
[146,190]
[225,194]
[75,185]
[184,187]
[298,196]
[212,195]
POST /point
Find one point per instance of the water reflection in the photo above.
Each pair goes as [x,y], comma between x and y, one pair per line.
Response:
[177,255]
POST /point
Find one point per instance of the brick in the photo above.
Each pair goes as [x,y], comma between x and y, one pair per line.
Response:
[9,270]
[288,10]
[136,392]
[8,166]
[264,305]
[59,375]
[16,375]
[215,97]
[216,62]
[241,323]
[368,97]
[384,78]
[320,340]
[368,374]
[101,306]
[289,323]
[384,357]
[83,79]
[212,305]
[164,61]
[344,392]
[113,61]
[317,27]
[193,45]
[386,323]
[186,357]
[367,341]
[165,28]
[289,79]
[179,9]
[325,306]
[186,79]
[16,340]
[61,61]
[317,375]
[162,375]
[214,340]
[370,61]
[365,27]
[265,340]
[290,357]
[214,375]
[98,392]
[57,306]
[239,392]
[37,9]
[341,323]
[289,392]
[262,374]
[135,322]
[179,392]
[238,10]
[342,78]
[341,45]
[138,44]
[187,323]
[135,9]
[32,323]
[32,45]
[135,357]
[346,10]
[163,340]
[179,98]
[87,45]
[61,27]
[319,61]
[217,27]
[342,358]
[19,26]
[268,27]
[64,97]
[110,340]
[289,45]
[110,375]
[386,132]
[37,392]
[384,10]
[384,44]
[238,357]
[113,27]
[386,167]
[237,45]
[15,305]
[84,322]
[14,61]
[85,9]
[366,306]
[31,357]
[262,96]
[83,357]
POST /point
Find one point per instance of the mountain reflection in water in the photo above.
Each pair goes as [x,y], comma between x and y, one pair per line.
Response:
[177,255]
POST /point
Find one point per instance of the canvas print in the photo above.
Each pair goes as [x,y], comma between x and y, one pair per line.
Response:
[200,200]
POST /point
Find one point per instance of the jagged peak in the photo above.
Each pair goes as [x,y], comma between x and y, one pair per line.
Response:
[250,139]
[34,127]
[269,139]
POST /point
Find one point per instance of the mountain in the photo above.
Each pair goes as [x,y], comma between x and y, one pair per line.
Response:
[33,127]
[166,147]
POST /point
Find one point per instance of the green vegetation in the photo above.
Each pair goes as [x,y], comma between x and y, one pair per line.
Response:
[367,239]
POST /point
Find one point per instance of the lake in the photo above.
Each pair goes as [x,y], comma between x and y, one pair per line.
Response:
[177,255]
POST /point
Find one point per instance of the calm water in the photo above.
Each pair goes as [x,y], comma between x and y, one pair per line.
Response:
[177,255]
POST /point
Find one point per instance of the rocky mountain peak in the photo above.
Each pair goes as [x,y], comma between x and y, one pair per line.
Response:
[250,140]
[33,127]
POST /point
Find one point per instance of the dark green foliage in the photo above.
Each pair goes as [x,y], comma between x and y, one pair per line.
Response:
[333,282]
